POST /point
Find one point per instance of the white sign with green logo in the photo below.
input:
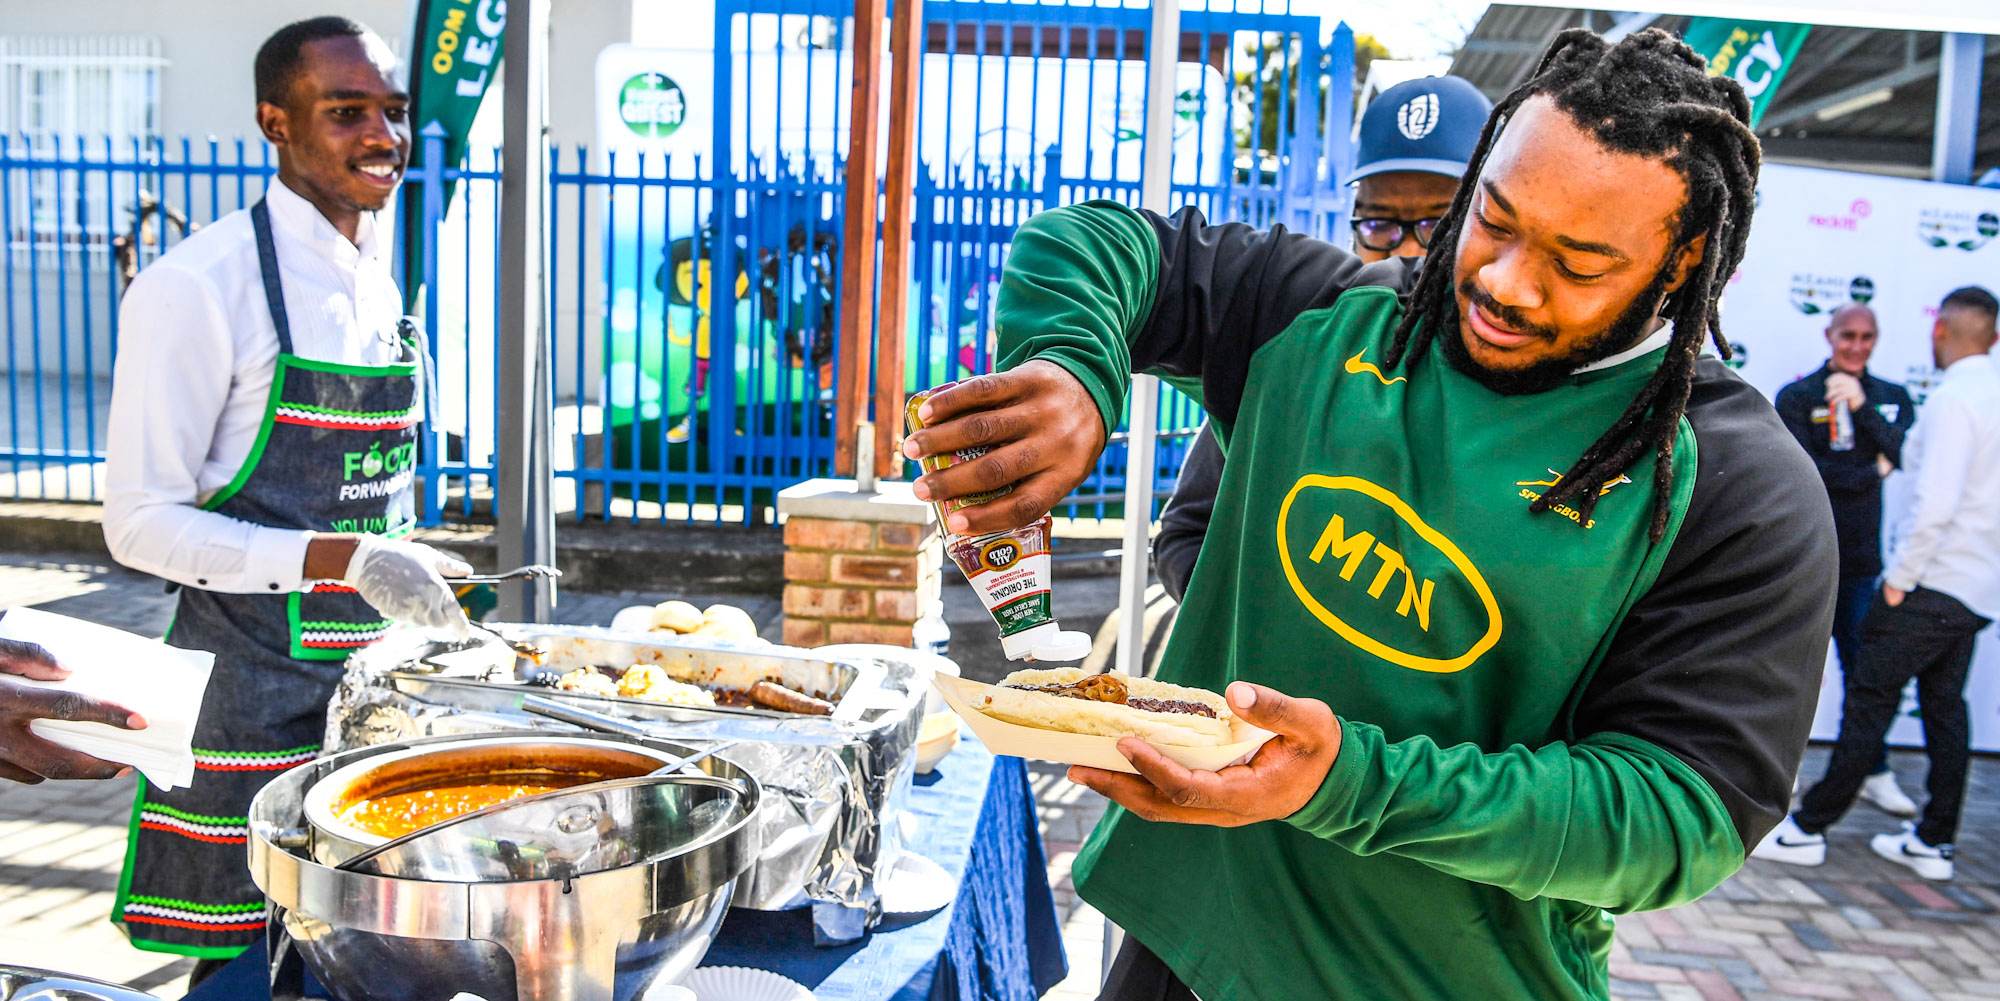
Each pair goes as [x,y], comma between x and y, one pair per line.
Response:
[652,105]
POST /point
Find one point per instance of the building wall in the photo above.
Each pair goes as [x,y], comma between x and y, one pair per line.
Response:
[206,91]
[209,45]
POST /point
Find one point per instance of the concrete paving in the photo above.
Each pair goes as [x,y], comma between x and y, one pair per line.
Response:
[1859,928]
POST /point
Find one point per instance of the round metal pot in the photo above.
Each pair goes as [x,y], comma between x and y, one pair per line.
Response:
[604,935]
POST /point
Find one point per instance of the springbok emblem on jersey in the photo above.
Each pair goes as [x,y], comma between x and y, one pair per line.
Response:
[1418,116]
[1555,478]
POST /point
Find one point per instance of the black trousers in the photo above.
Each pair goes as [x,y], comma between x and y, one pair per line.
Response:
[1139,975]
[1929,637]
[1850,605]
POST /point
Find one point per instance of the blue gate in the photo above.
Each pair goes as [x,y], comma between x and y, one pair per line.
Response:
[681,393]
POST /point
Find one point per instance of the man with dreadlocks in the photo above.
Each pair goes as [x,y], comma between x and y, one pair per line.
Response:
[1535,598]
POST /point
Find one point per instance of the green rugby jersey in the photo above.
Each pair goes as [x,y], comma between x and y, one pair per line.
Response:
[1545,719]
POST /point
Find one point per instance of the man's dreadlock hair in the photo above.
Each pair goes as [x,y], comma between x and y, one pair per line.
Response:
[1648,95]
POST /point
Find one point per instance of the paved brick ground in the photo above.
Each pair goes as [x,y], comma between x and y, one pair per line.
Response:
[1859,928]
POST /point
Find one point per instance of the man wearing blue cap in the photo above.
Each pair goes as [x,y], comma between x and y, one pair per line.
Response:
[1416,139]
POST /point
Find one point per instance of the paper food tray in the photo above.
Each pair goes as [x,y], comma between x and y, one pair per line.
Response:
[1062,747]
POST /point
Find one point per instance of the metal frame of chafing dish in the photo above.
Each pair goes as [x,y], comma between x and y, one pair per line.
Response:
[596,914]
[833,783]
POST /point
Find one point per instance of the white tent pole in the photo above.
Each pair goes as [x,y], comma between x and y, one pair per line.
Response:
[1156,174]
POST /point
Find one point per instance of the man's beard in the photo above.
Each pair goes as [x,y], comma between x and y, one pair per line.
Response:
[1549,373]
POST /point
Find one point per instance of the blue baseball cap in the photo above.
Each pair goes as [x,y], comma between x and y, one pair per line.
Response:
[1430,125]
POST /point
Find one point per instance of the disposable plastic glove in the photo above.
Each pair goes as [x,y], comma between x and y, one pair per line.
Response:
[405,582]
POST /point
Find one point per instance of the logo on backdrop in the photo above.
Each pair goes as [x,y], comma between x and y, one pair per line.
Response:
[1966,230]
[1813,294]
[1848,221]
[652,105]
[1739,355]
[1418,117]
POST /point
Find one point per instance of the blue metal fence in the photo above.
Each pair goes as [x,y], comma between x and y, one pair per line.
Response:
[672,401]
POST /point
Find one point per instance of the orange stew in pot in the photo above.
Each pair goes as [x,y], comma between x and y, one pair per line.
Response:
[393,815]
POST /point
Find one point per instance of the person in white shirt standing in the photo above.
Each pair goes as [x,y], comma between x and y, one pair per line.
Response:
[263,430]
[1941,589]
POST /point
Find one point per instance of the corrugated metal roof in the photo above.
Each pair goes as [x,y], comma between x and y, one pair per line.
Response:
[1836,65]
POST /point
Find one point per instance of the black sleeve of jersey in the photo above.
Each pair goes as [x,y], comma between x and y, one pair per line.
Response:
[1795,405]
[1225,291]
[1184,521]
[1719,663]
[1875,435]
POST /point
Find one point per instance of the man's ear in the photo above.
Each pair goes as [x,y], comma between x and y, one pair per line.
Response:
[1689,258]
[274,123]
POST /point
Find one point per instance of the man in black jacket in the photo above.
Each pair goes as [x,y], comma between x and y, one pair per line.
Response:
[1881,415]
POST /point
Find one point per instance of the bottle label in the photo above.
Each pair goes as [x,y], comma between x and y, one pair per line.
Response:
[1010,570]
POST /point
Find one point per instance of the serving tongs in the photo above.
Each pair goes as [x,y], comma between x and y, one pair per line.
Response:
[533,571]
[602,723]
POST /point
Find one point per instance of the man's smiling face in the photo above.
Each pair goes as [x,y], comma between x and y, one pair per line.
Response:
[1565,253]
[344,124]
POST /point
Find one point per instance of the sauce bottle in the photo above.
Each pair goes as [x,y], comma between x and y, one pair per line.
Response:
[1010,570]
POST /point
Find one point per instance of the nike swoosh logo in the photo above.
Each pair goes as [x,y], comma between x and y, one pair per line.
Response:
[1355,366]
[1798,844]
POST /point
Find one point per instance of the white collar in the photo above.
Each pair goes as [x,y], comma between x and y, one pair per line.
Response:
[303,221]
[1960,367]
[1653,342]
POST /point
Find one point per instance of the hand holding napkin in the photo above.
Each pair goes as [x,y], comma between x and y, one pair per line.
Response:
[161,684]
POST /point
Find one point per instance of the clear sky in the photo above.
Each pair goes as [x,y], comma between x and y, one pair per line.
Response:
[1412,29]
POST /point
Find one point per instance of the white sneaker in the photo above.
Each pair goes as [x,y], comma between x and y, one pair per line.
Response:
[1929,861]
[1881,789]
[1787,843]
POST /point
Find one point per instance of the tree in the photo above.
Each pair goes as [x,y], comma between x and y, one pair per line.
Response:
[1367,49]
[1268,89]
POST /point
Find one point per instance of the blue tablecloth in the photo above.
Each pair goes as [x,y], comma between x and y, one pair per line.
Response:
[998,940]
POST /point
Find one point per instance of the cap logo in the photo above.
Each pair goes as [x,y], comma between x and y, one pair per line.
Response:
[1418,117]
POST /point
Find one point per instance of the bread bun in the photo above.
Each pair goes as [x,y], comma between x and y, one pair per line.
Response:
[1110,719]
[676,616]
[726,622]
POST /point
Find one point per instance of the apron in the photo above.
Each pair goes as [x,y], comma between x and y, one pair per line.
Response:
[334,454]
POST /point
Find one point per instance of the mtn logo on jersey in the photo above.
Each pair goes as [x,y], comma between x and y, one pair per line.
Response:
[1371,569]
[1418,116]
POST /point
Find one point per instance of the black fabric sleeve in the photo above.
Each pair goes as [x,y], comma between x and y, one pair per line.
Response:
[1794,405]
[1225,291]
[1719,662]
[1184,521]
[1875,436]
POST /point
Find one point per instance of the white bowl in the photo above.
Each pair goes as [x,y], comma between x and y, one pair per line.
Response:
[936,739]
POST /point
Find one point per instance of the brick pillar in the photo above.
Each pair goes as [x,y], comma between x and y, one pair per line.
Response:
[859,568]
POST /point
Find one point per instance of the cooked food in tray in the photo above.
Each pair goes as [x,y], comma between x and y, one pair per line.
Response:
[1111,705]
[655,683]
[650,682]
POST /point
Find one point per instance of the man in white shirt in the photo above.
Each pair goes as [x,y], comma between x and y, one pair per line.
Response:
[263,431]
[1941,589]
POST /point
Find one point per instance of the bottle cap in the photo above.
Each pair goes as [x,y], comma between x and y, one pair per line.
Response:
[1022,644]
[1065,645]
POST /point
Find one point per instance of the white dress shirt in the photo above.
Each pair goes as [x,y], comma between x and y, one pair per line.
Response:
[1950,535]
[196,356]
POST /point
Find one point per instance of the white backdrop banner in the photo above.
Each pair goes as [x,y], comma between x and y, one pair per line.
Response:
[1822,239]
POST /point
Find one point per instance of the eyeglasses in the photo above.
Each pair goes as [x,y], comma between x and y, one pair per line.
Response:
[1385,234]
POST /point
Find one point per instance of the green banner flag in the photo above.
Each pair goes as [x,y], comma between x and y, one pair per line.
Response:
[1755,54]
[457,56]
